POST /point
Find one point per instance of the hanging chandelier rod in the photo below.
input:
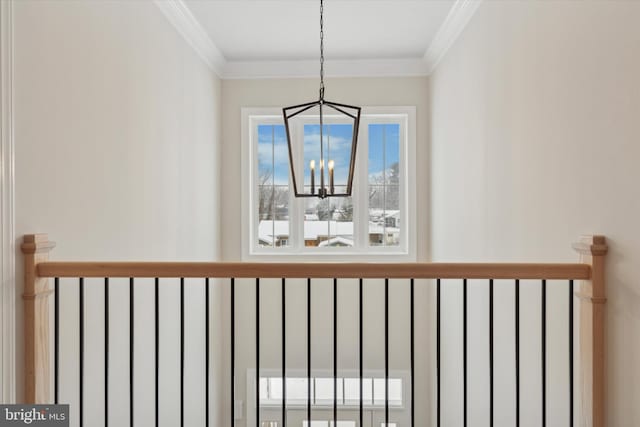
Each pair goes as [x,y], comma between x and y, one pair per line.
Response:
[326,168]
[321,50]
[323,189]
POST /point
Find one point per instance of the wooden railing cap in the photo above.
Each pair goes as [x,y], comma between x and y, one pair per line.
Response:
[592,245]
[36,243]
[315,270]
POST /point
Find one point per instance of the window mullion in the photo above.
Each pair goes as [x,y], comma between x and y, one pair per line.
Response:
[328,200]
[404,184]
[299,244]
[384,185]
[254,200]
[361,207]
[273,186]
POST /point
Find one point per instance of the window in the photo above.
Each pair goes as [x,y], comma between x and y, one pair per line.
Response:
[347,399]
[379,217]
[329,423]
[322,392]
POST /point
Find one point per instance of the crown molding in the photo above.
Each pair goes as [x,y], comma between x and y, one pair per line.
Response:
[179,15]
[459,16]
[334,68]
[7,228]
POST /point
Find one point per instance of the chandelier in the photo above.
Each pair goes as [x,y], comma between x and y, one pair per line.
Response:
[322,137]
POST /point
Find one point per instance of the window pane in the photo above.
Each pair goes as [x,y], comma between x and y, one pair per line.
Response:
[281,202]
[305,423]
[342,208]
[273,215]
[376,151]
[265,154]
[273,186]
[376,215]
[265,202]
[392,198]
[264,387]
[316,221]
[265,215]
[351,391]
[273,155]
[281,156]
[328,222]
[376,198]
[395,391]
[367,390]
[384,185]
[296,390]
[275,388]
[324,391]
[338,149]
[384,153]
[392,215]
[378,391]
[392,153]
[273,202]
[312,155]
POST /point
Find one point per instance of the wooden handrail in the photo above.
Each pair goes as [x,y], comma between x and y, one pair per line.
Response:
[317,270]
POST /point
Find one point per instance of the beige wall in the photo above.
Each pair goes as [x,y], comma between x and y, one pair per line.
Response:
[535,136]
[533,142]
[237,94]
[117,125]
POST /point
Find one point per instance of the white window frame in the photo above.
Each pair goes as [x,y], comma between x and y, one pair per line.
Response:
[371,410]
[361,251]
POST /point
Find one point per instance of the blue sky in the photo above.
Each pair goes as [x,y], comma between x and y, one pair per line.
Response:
[273,154]
[384,147]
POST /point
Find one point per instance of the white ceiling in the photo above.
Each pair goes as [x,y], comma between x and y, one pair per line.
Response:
[258,30]
[277,38]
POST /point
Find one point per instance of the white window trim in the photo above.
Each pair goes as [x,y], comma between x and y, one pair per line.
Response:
[251,385]
[267,410]
[405,253]
[7,209]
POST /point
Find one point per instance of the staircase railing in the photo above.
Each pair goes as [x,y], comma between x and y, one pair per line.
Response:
[585,379]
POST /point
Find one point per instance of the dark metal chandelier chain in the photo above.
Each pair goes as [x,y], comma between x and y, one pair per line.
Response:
[321,50]
[328,173]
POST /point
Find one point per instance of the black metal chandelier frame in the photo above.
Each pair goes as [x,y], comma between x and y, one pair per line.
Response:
[288,113]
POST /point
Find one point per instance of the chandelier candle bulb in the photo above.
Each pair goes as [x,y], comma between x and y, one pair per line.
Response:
[331,187]
[312,166]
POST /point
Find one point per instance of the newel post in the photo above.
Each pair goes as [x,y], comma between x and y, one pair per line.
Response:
[37,325]
[592,298]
